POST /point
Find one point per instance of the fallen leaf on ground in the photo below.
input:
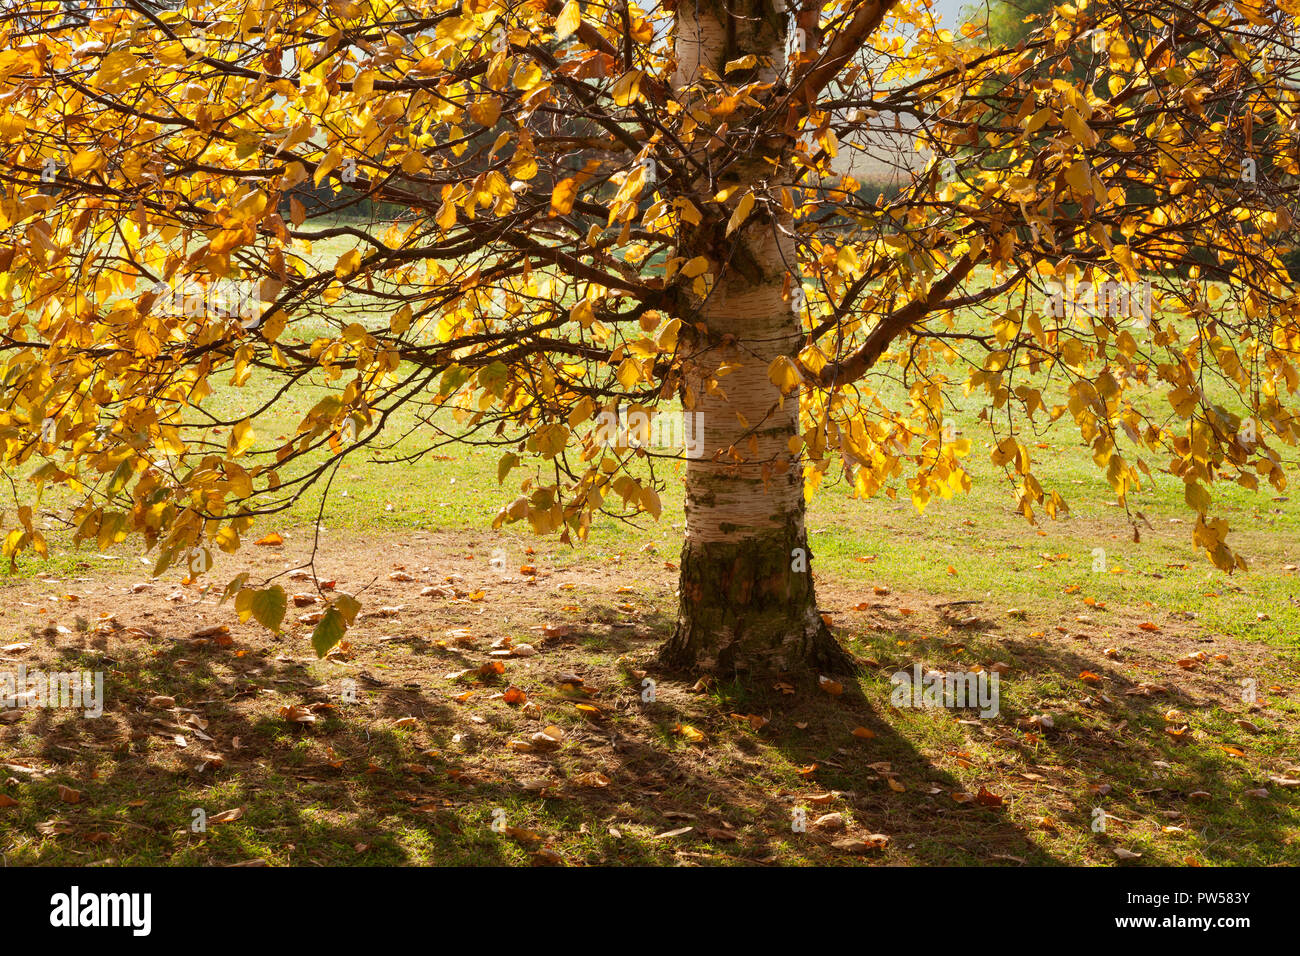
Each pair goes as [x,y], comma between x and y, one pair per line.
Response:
[872,841]
[692,734]
[668,834]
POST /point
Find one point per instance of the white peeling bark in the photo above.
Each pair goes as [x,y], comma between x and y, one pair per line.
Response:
[747,599]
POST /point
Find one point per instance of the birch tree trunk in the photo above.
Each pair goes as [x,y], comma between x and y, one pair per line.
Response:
[747,602]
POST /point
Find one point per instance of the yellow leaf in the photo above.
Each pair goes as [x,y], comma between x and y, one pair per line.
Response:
[694,735]
[1077,177]
[784,374]
[650,502]
[1007,449]
[326,165]
[582,313]
[85,161]
[1184,401]
[528,76]
[697,266]
[563,196]
[666,339]
[1033,123]
[347,263]
[628,88]
[12,127]
[1078,127]
[741,213]
[629,373]
[485,110]
[401,320]
[241,438]
[1197,498]
[567,23]
[446,215]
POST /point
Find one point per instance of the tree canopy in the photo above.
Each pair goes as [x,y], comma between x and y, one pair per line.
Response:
[608,207]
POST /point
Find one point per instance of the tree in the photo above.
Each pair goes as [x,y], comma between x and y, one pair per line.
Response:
[609,208]
[1006,22]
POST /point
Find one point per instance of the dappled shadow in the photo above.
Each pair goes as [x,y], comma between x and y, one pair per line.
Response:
[289,794]
[1115,732]
[415,770]
[1113,741]
[813,760]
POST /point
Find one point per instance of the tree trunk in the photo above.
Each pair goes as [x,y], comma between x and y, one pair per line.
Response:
[747,602]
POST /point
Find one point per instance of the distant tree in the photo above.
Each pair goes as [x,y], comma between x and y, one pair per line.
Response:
[1007,22]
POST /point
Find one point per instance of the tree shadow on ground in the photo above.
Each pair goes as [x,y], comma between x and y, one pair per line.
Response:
[1106,753]
[310,789]
[419,767]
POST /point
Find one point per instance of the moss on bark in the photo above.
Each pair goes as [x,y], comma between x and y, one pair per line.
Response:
[749,607]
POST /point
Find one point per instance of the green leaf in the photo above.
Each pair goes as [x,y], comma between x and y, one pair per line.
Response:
[508,460]
[267,606]
[233,587]
[329,631]
[165,558]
